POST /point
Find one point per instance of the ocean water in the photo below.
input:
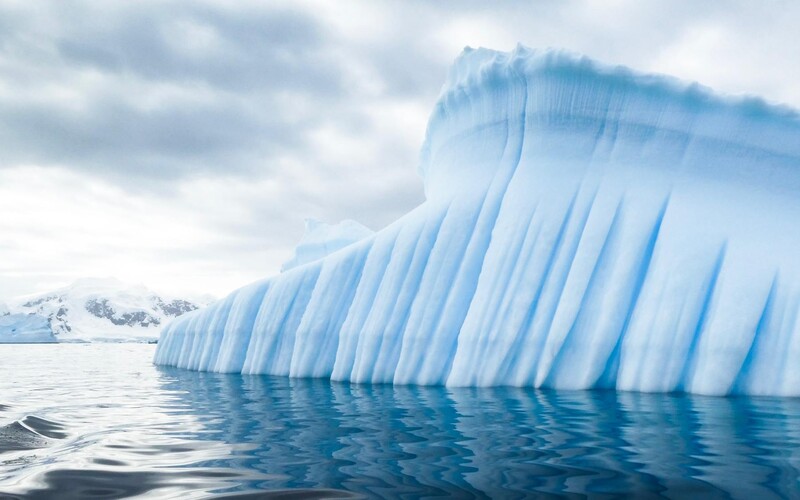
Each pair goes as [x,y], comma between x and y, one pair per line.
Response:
[100,421]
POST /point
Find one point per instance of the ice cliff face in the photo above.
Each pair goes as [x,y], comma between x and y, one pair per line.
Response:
[24,329]
[585,226]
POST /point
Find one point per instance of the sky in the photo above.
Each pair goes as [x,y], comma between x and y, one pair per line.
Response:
[182,144]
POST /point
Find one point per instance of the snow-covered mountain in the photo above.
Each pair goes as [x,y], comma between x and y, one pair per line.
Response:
[105,309]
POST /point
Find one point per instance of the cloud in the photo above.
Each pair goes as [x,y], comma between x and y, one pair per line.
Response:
[148,92]
[227,123]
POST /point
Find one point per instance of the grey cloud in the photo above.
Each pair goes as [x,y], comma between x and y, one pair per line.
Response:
[115,138]
[252,49]
[154,95]
[228,114]
[231,72]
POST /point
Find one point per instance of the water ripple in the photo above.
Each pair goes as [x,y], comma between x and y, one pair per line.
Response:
[29,433]
[131,430]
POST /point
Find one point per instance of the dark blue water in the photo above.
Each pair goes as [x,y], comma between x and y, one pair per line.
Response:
[99,421]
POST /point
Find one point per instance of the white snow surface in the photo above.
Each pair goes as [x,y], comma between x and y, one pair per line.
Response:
[24,329]
[104,309]
[321,239]
[584,226]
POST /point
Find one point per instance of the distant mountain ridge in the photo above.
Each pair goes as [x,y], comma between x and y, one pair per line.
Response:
[105,309]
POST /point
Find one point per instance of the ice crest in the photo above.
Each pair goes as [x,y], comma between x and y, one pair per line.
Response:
[321,239]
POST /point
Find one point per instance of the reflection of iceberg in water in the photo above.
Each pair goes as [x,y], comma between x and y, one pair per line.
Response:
[501,442]
[584,226]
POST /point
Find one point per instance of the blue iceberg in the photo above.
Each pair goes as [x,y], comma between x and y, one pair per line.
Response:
[585,226]
[25,329]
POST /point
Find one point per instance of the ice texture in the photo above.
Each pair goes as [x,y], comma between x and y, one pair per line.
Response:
[321,240]
[585,226]
[24,329]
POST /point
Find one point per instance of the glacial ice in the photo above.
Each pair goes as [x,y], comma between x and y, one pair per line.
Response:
[321,239]
[585,226]
[24,329]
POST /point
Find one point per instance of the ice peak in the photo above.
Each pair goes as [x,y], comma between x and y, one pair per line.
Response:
[321,239]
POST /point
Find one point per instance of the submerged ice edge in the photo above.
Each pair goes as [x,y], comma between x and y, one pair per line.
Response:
[584,227]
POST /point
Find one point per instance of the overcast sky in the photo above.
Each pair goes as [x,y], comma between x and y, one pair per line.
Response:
[181,144]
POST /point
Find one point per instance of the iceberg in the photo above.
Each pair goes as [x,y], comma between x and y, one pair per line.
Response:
[25,329]
[585,226]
